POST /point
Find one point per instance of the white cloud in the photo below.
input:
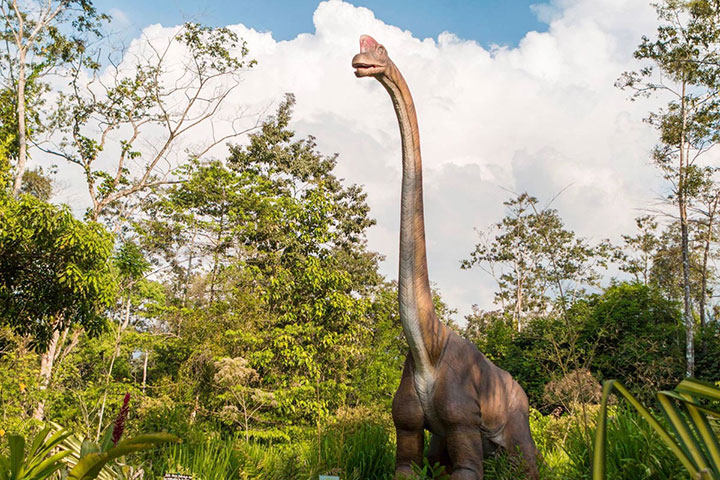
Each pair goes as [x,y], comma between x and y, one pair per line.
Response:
[539,117]
[119,18]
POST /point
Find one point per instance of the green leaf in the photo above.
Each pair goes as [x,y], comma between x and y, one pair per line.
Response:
[17,454]
[89,467]
[694,443]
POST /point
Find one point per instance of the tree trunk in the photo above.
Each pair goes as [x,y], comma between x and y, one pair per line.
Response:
[22,140]
[216,257]
[145,364]
[712,208]
[47,360]
[682,205]
[518,300]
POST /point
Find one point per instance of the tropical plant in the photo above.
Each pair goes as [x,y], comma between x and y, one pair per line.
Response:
[692,441]
[39,462]
[93,460]
[91,464]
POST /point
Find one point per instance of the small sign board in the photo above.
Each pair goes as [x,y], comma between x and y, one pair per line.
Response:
[328,477]
[177,476]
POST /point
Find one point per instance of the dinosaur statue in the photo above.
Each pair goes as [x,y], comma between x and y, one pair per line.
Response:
[448,387]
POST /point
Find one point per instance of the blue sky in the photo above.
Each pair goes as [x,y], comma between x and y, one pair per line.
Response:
[488,22]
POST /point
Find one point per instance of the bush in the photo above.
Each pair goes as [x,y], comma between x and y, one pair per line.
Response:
[639,339]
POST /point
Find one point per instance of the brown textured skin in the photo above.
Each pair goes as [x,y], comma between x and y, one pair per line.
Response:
[448,387]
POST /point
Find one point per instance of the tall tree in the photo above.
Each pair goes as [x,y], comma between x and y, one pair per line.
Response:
[38,37]
[141,99]
[55,277]
[535,260]
[271,246]
[683,62]
[707,210]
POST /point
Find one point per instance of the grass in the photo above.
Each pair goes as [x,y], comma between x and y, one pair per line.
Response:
[364,450]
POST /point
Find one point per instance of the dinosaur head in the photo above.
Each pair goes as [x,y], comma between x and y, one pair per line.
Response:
[372,59]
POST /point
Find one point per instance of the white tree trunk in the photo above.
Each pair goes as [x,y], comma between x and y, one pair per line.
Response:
[47,360]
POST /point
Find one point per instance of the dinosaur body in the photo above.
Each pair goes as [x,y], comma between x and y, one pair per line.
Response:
[448,387]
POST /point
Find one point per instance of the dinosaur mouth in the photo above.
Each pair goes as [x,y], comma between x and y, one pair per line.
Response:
[365,69]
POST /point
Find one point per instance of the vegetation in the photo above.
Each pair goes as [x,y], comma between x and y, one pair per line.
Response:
[694,442]
[236,300]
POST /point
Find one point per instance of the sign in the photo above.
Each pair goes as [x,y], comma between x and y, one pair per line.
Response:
[328,477]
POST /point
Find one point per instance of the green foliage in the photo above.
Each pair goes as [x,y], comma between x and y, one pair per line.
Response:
[638,336]
[55,272]
[269,264]
[693,441]
[708,352]
[87,460]
[37,183]
[630,331]
[634,453]
[681,63]
[214,459]
[428,472]
[39,462]
[356,452]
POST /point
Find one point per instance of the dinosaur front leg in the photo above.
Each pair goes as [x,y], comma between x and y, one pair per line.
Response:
[409,425]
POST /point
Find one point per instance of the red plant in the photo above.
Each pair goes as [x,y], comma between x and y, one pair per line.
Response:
[119,426]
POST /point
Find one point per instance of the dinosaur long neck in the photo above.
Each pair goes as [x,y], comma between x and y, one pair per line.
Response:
[424,333]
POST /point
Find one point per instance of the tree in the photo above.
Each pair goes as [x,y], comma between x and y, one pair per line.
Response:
[55,276]
[683,62]
[707,210]
[35,182]
[636,258]
[38,37]
[639,338]
[55,270]
[666,272]
[146,101]
[535,260]
[267,262]
[235,377]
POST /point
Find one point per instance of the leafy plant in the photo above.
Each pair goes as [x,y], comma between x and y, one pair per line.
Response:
[429,472]
[90,465]
[692,441]
[39,462]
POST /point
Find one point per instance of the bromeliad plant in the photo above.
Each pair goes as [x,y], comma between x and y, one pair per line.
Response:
[39,462]
[94,460]
[54,449]
[688,410]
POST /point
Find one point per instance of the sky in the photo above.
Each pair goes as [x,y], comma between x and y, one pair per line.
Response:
[511,97]
[488,22]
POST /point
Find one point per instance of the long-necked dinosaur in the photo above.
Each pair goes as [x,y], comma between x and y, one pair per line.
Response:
[448,387]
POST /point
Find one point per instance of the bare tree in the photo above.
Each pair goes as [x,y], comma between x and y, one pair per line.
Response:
[35,45]
[148,102]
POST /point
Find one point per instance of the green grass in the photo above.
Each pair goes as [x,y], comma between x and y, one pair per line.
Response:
[364,450]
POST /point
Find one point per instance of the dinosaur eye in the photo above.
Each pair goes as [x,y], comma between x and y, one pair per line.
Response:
[381,50]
